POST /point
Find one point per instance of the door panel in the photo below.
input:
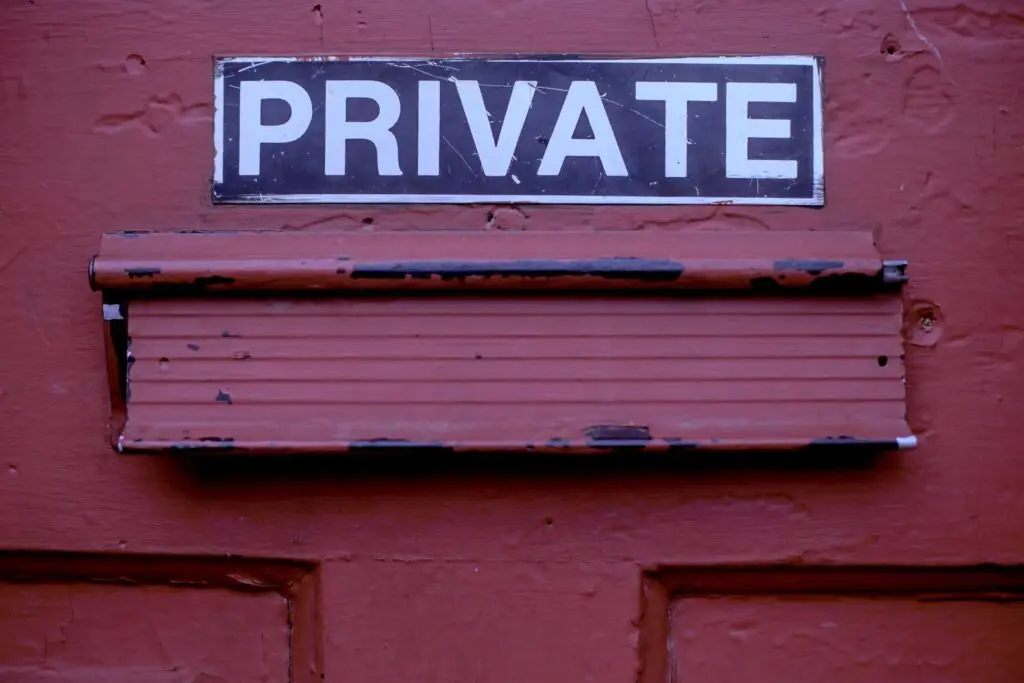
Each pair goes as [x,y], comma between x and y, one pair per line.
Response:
[846,640]
[94,633]
[487,622]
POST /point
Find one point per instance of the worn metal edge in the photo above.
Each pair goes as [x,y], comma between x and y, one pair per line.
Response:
[607,272]
[217,445]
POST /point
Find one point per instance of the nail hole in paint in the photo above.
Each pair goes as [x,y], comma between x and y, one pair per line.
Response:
[883,361]
[923,324]
[890,48]
[135,65]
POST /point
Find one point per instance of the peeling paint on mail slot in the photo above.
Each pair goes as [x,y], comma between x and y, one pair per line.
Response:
[697,130]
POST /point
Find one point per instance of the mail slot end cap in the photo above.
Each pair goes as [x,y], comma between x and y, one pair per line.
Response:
[905,442]
[894,272]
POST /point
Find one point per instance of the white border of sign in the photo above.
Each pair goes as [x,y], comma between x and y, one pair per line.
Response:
[818,162]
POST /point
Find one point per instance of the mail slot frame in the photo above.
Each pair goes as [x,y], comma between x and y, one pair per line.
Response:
[217,265]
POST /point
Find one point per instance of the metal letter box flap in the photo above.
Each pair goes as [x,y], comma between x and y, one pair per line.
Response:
[568,342]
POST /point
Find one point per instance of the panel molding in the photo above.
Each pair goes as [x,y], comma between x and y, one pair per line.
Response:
[297,581]
[661,586]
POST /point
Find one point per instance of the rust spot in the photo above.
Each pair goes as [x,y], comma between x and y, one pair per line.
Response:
[618,437]
[617,433]
[681,445]
[218,439]
[852,443]
[205,443]
[809,267]
[184,446]
[620,444]
[223,397]
[842,282]
[141,272]
[376,274]
[617,268]
[377,445]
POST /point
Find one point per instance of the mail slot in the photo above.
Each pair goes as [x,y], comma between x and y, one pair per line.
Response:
[531,342]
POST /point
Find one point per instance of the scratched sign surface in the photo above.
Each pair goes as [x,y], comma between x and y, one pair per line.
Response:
[527,129]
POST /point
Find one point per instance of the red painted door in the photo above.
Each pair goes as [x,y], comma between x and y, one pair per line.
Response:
[904,567]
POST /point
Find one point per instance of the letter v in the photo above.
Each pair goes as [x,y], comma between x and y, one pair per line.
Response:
[495,157]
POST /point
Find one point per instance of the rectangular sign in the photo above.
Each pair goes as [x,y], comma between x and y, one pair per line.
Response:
[547,130]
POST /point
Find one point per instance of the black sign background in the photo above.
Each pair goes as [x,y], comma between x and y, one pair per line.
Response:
[298,175]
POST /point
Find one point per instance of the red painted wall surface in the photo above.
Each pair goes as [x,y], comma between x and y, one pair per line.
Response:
[507,573]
